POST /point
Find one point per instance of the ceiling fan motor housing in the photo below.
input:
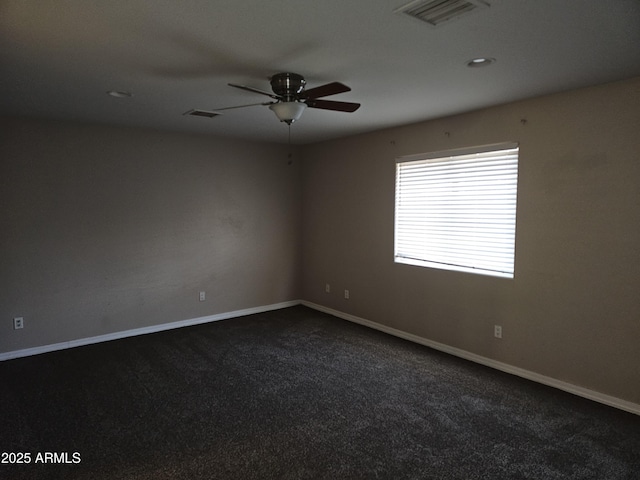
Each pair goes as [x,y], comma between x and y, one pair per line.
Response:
[288,85]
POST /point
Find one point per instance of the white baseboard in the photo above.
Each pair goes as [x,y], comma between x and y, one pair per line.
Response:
[520,372]
[143,331]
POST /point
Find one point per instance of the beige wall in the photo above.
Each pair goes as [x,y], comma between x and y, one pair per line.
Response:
[572,312]
[104,229]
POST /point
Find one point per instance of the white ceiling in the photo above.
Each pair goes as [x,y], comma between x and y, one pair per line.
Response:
[60,57]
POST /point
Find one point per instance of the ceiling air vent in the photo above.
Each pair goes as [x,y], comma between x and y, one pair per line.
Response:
[437,12]
[202,113]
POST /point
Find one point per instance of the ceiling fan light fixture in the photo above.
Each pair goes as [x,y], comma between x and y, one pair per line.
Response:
[288,112]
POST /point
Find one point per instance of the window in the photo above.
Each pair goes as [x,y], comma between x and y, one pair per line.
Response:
[457,210]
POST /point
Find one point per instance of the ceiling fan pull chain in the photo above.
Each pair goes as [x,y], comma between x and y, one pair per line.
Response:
[290,155]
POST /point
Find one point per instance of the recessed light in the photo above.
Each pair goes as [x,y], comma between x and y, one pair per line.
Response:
[481,62]
[119,94]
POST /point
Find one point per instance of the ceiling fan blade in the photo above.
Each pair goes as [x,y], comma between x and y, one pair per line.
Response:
[331,105]
[242,106]
[254,90]
[325,90]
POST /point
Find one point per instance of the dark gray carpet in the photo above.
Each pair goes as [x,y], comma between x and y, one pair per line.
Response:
[297,394]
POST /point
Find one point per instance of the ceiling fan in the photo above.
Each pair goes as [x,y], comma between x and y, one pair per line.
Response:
[291,98]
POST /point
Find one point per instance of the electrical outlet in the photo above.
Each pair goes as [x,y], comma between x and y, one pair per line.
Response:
[203,296]
[497,331]
[327,288]
[18,323]
[346,294]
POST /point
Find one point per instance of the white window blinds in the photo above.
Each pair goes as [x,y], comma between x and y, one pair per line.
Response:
[457,210]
